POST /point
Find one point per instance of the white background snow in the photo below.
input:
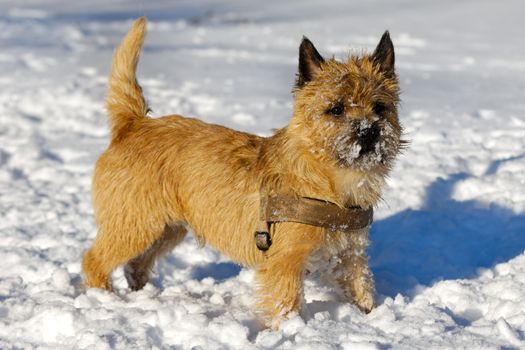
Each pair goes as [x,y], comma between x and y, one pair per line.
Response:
[448,240]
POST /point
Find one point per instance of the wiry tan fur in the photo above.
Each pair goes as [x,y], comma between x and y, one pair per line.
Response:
[159,176]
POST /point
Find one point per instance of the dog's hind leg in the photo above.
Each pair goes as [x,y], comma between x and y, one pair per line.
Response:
[137,270]
[117,242]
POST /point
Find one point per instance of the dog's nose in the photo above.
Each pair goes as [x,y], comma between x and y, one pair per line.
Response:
[369,135]
[368,138]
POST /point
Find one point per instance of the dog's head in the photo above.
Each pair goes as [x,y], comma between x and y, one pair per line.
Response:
[346,112]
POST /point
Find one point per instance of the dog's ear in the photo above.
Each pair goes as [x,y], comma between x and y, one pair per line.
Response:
[384,54]
[309,62]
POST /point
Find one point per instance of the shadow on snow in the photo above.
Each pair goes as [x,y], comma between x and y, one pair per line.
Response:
[446,239]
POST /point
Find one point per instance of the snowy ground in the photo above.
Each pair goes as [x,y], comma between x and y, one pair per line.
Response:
[448,241]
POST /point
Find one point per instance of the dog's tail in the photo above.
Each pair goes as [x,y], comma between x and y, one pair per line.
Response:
[125,102]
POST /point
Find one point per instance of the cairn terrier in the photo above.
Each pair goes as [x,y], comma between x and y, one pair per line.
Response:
[161,176]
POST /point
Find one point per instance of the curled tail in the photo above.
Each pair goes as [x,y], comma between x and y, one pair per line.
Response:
[125,102]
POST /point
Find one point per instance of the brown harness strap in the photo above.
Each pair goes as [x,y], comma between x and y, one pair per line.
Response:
[314,212]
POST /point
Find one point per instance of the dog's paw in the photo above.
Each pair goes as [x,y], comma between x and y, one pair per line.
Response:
[365,302]
[137,279]
[285,322]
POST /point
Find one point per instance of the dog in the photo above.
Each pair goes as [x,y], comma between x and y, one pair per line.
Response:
[161,176]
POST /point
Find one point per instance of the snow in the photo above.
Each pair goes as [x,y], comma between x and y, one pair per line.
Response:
[447,245]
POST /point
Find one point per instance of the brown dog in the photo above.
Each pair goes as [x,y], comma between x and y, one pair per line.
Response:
[160,176]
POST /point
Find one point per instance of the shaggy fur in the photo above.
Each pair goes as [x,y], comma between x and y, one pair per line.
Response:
[159,176]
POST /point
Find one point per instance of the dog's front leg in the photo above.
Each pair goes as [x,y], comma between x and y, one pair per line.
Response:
[280,276]
[353,275]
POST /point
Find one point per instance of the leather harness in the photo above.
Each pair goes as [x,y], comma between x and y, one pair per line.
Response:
[308,211]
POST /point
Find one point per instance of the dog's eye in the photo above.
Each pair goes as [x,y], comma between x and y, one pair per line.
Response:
[379,108]
[336,110]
